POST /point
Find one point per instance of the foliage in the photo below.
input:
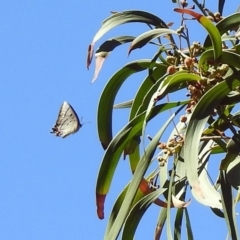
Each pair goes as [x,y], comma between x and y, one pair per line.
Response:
[210,73]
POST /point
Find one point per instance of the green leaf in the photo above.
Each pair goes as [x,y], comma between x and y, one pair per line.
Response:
[139,195]
[141,98]
[237,48]
[128,17]
[112,43]
[118,204]
[160,224]
[177,81]
[146,98]
[214,35]
[137,213]
[223,26]
[137,177]
[233,175]
[218,212]
[127,104]
[188,225]
[221,6]
[121,18]
[146,37]
[197,123]
[117,145]
[134,158]
[105,49]
[230,58]
[233,150]
[169,201]
[207,195]
[228,206]
[170,84]
[158,55]
[178,224]
[216,149]
[211,29]
[147,84]
[105,106]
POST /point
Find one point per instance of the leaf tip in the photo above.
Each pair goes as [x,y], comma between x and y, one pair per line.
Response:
[90,54]
[129,51]
[179,203]
[99,63]
[188,11]
[100,199]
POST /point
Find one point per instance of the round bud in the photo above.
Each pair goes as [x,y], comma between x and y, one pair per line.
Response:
[188,61]
[183,119]
[171,69]
[184,3]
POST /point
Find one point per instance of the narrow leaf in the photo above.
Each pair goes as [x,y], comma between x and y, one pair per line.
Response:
[223,26]
[137,177]
[105,106]
[120,18]
[233,175]
[115,149]
[211,29]
[221,6]
[228,206]
[161,221]
[118,204]
[128,17]
[127,104]
[230,58]
[178,224]
[188,226]
[105,49]
[146,85]
[137,213]
[146,37]
[197,122]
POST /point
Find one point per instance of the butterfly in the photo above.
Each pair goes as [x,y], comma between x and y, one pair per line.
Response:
[67,122]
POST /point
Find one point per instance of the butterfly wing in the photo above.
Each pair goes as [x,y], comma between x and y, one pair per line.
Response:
[67,122]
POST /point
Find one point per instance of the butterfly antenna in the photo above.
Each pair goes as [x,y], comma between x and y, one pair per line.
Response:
[82,123]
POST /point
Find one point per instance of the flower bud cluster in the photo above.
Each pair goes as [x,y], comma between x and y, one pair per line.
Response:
[173,146]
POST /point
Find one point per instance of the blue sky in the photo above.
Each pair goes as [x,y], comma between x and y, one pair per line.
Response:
[47,184]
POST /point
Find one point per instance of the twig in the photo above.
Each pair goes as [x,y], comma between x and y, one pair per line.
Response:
[200,7]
